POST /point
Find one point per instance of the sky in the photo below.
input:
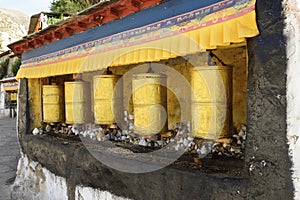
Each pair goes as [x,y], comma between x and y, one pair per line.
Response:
[29,7]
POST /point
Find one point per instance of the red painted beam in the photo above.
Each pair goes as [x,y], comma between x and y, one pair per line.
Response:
[17,49]
[109,15]
[48,37]
[95,18]
[39,41]
[24,47]
[125,8]
[58,34]
[69,30]
[82,24]
[32,44]
[148,3]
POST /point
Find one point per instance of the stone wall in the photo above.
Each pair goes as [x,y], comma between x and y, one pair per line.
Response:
[266,106]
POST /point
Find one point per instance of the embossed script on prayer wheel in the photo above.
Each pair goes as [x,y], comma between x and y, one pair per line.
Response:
[52,103]
[211,102]
[149,103]
[77,102]
[106,99]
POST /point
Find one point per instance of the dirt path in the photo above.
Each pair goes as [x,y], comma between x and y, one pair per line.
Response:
[9,155]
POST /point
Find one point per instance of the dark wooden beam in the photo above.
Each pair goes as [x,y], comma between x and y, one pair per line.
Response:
[48,37]
[97,18]
[109,15]
[24,47]
[91,22]
[17,49]
[69,30]
[129,5]
[58,34]
[83,25]
[39,41]
[31,44]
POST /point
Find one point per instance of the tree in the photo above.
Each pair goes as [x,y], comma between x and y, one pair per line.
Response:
[15,67]
[3,68]
[71,6]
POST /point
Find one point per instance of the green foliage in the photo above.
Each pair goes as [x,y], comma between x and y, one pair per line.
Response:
[15,67]
[69,6]
[3,68]
[54,20]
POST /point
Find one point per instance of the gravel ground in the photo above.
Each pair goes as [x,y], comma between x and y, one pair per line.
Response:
[9,156]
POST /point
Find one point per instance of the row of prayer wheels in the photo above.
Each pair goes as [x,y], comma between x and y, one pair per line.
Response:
[211,115]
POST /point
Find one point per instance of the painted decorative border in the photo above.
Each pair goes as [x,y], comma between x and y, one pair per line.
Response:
[197,19]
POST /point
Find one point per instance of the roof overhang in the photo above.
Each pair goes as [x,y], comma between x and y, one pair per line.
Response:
[172,29]
[9,84]
[8,79]
[96,15]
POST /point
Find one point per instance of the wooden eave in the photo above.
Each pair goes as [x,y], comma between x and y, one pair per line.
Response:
[96,15]
[5,53]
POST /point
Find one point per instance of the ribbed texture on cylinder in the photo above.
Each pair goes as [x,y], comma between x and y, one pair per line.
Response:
[106,100]
[77,102]
[149,103]
[211,102]
[52,103]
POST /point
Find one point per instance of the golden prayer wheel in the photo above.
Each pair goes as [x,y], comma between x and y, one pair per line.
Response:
[52,103]
[149,103]
[13,96]
[107,101]
[211,102]
[77,102]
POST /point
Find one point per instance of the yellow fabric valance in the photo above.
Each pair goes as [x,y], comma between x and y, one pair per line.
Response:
[197,35]
[8,89]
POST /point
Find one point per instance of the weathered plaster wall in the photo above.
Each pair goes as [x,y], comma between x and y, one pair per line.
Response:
[33,181]
[87,193]
[2,99]
[292,32]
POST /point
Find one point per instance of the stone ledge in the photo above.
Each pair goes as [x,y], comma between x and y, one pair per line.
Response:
[70,159]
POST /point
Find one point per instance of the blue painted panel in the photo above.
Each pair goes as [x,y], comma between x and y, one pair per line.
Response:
[168,9]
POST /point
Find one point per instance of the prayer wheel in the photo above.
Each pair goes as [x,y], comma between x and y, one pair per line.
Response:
[77,102]
[149,103]
[13,96]
[107,101]
[52,103]
[211,108]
